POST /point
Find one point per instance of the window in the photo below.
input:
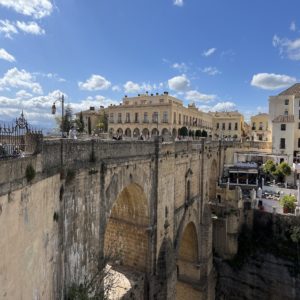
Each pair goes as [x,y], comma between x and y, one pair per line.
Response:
[282,143]
[174,118]
[218,125]
[286,102]
[253,126]
[283,127]
[260,126]
[146,117]
[111,118]
[127,118]
[155,117]
[229,126]
[165,117]
[136,117]
[286,112]
[236,126]
[223,126]
[299,125]
[298,143]
[179,121]
[119,117]
[161,100]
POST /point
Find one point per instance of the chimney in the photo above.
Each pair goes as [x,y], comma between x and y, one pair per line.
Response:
[92,107]
[166,93]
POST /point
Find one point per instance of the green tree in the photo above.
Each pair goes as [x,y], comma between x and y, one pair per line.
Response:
[80,123]
[183,131]
[103,122]
[204,133]
[198,133]
[282,171]
[269,168]
[67,120]
[89,126]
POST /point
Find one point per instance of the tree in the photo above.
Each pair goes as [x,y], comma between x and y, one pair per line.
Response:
[89,126]
[183,131]
[67,120]
[100,281]
[204,133]
[269,168]
[282,171]
[288,202]
[80,123]
[103,122]
[198,133]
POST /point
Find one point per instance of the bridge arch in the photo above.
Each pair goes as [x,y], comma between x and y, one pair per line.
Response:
[187,260]
[126,228]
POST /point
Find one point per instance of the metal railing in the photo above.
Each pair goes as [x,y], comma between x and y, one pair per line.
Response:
[19,139]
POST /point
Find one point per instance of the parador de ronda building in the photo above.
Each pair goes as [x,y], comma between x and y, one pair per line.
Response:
[161,114]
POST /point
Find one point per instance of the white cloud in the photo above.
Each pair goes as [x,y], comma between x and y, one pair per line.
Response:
[179,83]
[270,81]
[293,26]
[181,67]
[211,71]
[196,96]
[116,88]
[178,2]
[34,8]
[287,47]
[95,83]
[49,75]
[30,27]
[23,94]
[131,87]
[6,56]
[224,106]
[14,78]
[7,28]
[209,52]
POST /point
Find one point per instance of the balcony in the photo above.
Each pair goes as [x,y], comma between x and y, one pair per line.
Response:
[136,121]
[145,121]
[165,121]
[120,121]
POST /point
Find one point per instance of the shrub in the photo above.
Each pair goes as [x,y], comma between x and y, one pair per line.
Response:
[30,173]
[288,202]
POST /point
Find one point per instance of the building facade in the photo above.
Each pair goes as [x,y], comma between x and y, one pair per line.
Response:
[284,112]
[261,127]
[228,125]
[150,115]
[92,119]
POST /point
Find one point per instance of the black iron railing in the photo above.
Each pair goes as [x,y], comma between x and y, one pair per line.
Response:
[19,139]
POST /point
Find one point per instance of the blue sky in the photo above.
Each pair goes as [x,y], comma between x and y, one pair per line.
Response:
[219,54]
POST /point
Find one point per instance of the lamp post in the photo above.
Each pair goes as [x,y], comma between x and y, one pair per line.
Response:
[62,100]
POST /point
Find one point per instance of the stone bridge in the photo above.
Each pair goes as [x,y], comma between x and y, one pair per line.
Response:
[147,201]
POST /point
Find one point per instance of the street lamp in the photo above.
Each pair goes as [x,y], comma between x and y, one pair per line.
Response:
[62,100]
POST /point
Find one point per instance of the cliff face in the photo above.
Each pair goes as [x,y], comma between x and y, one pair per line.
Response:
[264,276]
[267,264]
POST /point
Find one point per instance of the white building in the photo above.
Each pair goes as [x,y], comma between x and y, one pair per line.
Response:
[284,112]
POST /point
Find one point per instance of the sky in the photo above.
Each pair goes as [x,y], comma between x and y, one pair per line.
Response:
[219,54]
